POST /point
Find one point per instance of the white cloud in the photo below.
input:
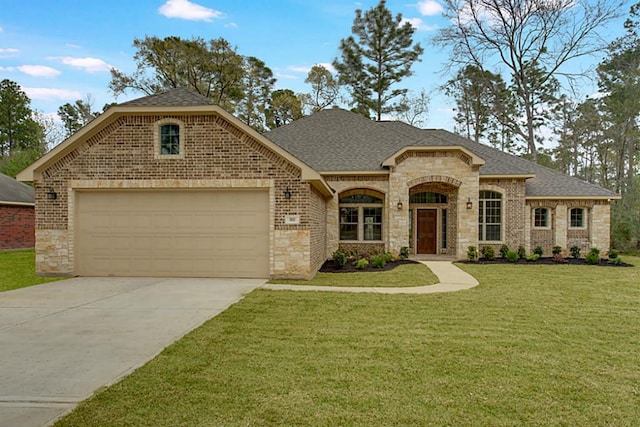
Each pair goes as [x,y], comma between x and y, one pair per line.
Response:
[71,45]
[88,64]
[48,94]
[328,66]
[184,9]
[8,51]
[38,70]
[1,29]
[305,69]
[430,8]
[286,76]
[418,24]
[231,25]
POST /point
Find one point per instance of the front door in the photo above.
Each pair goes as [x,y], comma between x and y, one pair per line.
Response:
[427,231]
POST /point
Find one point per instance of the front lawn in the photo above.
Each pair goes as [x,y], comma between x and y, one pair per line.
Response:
[404,275]
[532,345]
[17,270]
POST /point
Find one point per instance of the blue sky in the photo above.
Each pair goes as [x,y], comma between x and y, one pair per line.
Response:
[62,50]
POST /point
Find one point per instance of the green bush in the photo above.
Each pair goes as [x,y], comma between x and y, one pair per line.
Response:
[379,261]
[575,251]
[388,257]
[533,257]
[362,263]
[521,252]
[615,261]
[556,250]
[404,252]
[472,253]
[613,254]
[340,257]
[512,256]
[592,258]
[538,251]
[488,253]
[504,249]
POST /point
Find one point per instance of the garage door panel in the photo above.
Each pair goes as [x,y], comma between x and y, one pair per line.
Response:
[170,233]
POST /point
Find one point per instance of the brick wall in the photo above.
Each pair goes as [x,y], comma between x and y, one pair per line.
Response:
[17,225]
[513,204]
[318,228]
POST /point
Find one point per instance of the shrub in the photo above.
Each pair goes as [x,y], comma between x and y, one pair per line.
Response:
[488,253]
[512,256]
[615,261]
[472,253]
[613,254]
[340,257]
[521,252]
[575,251]
[559,258]
[533,257]
[404,252]
[504,249]
[362,263]
[538,251]
[388,257]
[379,261]
[557,250]
[593,257]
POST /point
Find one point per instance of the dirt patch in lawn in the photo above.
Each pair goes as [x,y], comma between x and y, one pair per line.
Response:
[330,267]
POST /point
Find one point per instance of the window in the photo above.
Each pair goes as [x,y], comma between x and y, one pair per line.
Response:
[541,217]
[169,139]
[360,217]
[443,228]
[490,216]
[427,197]
[576,216]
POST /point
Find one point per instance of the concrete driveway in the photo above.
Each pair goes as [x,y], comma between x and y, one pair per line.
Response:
[61,341]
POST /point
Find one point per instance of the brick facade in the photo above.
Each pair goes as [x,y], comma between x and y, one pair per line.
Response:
[17,227]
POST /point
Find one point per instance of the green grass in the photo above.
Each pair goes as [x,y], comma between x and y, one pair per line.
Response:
[401,276]
[17,270]
[532,345]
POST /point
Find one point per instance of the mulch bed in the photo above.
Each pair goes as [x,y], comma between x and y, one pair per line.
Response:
[331,267]
[604,262]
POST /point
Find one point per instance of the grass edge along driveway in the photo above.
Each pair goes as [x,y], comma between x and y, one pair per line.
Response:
[17,270]
[532,345]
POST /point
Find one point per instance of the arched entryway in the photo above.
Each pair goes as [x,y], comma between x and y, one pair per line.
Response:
[432,218]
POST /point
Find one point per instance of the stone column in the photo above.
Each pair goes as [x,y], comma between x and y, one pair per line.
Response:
[599,227]
[560,226]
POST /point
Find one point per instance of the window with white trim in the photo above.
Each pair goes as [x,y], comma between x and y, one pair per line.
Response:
[490,216]
[360,217]
[541,218]
[577,218]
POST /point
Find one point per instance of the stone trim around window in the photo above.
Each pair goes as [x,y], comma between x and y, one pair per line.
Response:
[157,132]
[541,222]
[583,217]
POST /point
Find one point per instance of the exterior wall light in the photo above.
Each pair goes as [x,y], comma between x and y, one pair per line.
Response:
[51,194]
[469,203]
[287,193]
[399,205]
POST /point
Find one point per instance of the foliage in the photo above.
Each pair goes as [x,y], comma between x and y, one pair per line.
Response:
[362,263]
[538,250]
[379,261]
[17,161]
[284,107]
[575,251]
[559,258]
[592,258]
[615,260]
[340,257]
[76,115]
[613,253]
[325,88]
[532,257]
[521,252]
[532,40]
[556,250]
[472,253]
[404,252]
[377,56]
[511,256]
[503,251]
[412,108]
[257,84]
[18,129]
[488,253]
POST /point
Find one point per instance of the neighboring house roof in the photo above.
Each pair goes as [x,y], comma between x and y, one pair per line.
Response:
[13,192]
[336,140]
[181,96]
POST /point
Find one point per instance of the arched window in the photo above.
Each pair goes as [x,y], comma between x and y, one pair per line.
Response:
[490,216]
[169,139]
[360,216]
[427,197]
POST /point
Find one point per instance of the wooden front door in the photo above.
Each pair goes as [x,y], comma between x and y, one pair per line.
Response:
[427,231]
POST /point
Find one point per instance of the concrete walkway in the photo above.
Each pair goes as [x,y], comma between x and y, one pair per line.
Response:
[61,341]
[451,279]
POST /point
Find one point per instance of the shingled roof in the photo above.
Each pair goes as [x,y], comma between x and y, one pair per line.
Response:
[337,140]
[181,96]
[12,191]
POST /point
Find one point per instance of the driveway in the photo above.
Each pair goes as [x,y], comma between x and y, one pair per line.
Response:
[61,341]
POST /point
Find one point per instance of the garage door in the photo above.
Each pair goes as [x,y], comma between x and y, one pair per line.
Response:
[172,233]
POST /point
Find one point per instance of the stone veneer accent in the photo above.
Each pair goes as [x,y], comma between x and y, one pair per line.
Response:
[217,154]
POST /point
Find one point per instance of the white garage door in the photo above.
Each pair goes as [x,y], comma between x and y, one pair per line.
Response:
[172,233]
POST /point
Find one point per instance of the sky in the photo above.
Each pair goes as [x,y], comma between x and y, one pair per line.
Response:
[59,51]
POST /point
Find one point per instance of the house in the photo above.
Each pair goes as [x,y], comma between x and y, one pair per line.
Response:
[17,216]
[171,185]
